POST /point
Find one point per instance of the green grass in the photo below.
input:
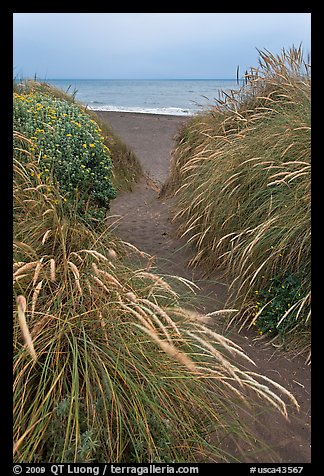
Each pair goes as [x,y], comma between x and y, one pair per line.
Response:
[240,175]
[107,366]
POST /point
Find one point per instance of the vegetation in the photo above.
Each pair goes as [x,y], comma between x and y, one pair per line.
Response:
[107,366]
[126,167]
[68,146]
[241,179]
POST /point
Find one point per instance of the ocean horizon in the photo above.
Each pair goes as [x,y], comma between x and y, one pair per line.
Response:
[151,96]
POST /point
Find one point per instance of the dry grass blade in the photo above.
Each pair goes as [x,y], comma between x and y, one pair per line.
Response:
[226,365]
[279,387]
[35,296]
[108,277]
[157,280]
[141,316]
[76,274]
[17,264]
[98,256]
[221,312]
[25,267]
[37,271]
[52,270]
[228,344]
[171,350]
[101,284]
[21,276]
[133,248]
[162,313]
[21,303]
[192,315]
[130,296]
[46,235]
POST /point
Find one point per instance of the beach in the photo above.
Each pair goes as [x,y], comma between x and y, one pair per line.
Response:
[149,135]
[144,214]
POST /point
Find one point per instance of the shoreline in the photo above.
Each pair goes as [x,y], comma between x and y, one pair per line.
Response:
[142,114]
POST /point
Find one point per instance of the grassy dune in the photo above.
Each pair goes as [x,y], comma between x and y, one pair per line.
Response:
[107,365]
[241,179]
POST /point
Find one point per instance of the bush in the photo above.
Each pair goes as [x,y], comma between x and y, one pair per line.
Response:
[126,166]
[278,309]
[69,148]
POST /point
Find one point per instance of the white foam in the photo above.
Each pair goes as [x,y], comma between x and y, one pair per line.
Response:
[174,111]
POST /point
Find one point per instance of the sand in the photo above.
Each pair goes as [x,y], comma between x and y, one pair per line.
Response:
[145,222]
[150,137]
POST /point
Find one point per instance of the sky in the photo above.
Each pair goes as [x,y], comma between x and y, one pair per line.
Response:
[150,45]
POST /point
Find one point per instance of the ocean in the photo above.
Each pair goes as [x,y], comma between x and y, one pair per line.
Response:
[168,96]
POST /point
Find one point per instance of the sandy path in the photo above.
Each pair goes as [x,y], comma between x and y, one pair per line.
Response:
[145,222]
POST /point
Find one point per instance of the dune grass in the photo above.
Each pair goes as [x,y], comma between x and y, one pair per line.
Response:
[107,366]
[240,176]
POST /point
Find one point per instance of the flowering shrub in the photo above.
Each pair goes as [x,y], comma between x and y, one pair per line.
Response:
[282,305]
[69,148]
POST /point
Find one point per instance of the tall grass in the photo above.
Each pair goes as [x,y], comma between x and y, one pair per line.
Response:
[107,366]
[241,179]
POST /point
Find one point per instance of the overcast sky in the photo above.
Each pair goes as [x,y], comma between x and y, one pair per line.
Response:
[150,45]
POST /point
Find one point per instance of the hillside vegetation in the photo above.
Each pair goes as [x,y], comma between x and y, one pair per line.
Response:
[126,167]
[240,176]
